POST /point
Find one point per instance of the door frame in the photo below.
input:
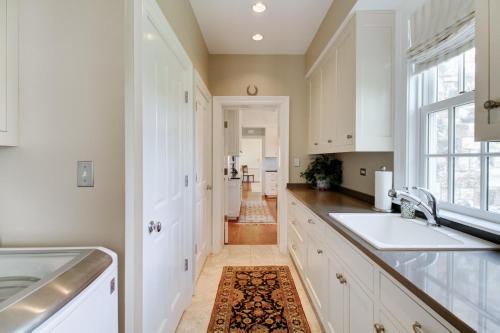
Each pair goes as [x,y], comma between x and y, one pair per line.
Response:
[135,11]
[282,104]
[200,85]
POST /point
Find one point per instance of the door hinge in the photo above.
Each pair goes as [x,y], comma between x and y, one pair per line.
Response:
[186,180]
[186,96]
[186,265]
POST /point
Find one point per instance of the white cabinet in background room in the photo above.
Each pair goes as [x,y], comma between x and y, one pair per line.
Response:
[9,72]
[271,184]
[487,70]
[351,293]
[232,132]
[271,142]
[351,90]
[233,198]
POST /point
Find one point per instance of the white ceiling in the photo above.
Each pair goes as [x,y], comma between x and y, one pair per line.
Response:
[288,26]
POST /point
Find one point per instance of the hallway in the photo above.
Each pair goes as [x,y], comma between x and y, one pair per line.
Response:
[196,318]
[258,233]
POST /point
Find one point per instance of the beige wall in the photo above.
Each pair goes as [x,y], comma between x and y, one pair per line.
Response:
[332,21]
[229,75]
[371,162]
[71,108]
[181,17]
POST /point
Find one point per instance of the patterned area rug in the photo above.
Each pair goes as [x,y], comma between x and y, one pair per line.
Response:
[260,299]
[255,211]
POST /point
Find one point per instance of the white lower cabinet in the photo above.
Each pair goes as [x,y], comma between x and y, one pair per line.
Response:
[351,294]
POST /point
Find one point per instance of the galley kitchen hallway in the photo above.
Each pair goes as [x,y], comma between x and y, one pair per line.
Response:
[257,220]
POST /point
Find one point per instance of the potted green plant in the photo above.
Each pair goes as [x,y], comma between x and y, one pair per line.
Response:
[323,173]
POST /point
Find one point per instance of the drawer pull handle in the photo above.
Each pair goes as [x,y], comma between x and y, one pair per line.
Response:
[379,328]
[310,221]
[349,136]
[341,278]
[319,251]
[417,327]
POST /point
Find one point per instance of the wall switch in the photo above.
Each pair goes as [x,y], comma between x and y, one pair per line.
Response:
[362,172]
[85,174]
[296,162]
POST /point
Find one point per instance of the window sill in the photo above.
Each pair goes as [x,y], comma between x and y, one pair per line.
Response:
[473,222]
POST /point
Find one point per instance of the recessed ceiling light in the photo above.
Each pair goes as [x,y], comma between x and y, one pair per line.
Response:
[257,37]
[259,7]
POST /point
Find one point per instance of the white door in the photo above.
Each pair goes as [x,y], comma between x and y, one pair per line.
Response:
[203,177]
[165,279]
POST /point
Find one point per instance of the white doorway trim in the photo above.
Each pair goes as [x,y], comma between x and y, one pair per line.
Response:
[282,104]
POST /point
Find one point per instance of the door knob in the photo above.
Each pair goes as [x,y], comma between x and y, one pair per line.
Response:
[151,226]
[379,328]
[488,105]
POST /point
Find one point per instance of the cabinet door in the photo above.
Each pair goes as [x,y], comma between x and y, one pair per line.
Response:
[346,89]
[315,94]
[329,109]
[487,69]
[317,274]
[335,316]
[387,324]
[9,73]
[359,308]
[271,142]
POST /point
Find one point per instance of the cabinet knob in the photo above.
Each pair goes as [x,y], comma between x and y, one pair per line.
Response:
[319,251]
[293,221]
[338,275]
[488,105]
[310,221]
[294,204]
[294,247]
[151,226]
[417,327]
[330,141]
[379,328]
[315,143]
[349,136]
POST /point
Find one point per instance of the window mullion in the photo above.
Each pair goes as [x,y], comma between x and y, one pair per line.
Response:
[451,150]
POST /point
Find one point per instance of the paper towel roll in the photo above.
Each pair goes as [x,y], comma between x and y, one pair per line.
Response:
[383,183]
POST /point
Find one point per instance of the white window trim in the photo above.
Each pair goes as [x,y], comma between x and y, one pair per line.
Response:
[479,218]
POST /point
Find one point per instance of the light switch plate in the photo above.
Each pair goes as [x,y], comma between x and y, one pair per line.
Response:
[296,162]
[85,174]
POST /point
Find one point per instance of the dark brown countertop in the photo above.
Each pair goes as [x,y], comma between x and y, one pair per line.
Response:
[461,286]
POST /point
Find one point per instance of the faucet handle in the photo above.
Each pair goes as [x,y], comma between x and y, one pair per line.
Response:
[428,194]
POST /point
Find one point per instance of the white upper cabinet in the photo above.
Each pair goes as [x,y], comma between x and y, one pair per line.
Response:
[271,142]
[351,91]
[232,132]
[8,72]
[487,70]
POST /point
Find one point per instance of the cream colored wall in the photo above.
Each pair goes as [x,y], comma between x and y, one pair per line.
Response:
[71,108]
[371,162]
[333,19]
[280,75]
[181,17]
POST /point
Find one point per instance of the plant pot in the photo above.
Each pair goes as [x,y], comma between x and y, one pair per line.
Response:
[322,185]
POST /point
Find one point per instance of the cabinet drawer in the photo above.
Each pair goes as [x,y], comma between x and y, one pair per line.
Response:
[312,225]
[297,246]
[361,268]
[405,310]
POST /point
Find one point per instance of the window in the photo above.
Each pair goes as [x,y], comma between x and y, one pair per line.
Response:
[463,174]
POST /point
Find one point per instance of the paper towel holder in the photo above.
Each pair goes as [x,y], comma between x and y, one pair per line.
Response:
[383,168]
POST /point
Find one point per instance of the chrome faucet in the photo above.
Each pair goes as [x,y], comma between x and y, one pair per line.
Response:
[429,209]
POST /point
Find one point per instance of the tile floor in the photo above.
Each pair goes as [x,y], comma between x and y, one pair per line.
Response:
[197,316]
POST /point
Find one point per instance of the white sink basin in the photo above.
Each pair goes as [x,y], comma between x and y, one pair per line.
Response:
[392,232]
